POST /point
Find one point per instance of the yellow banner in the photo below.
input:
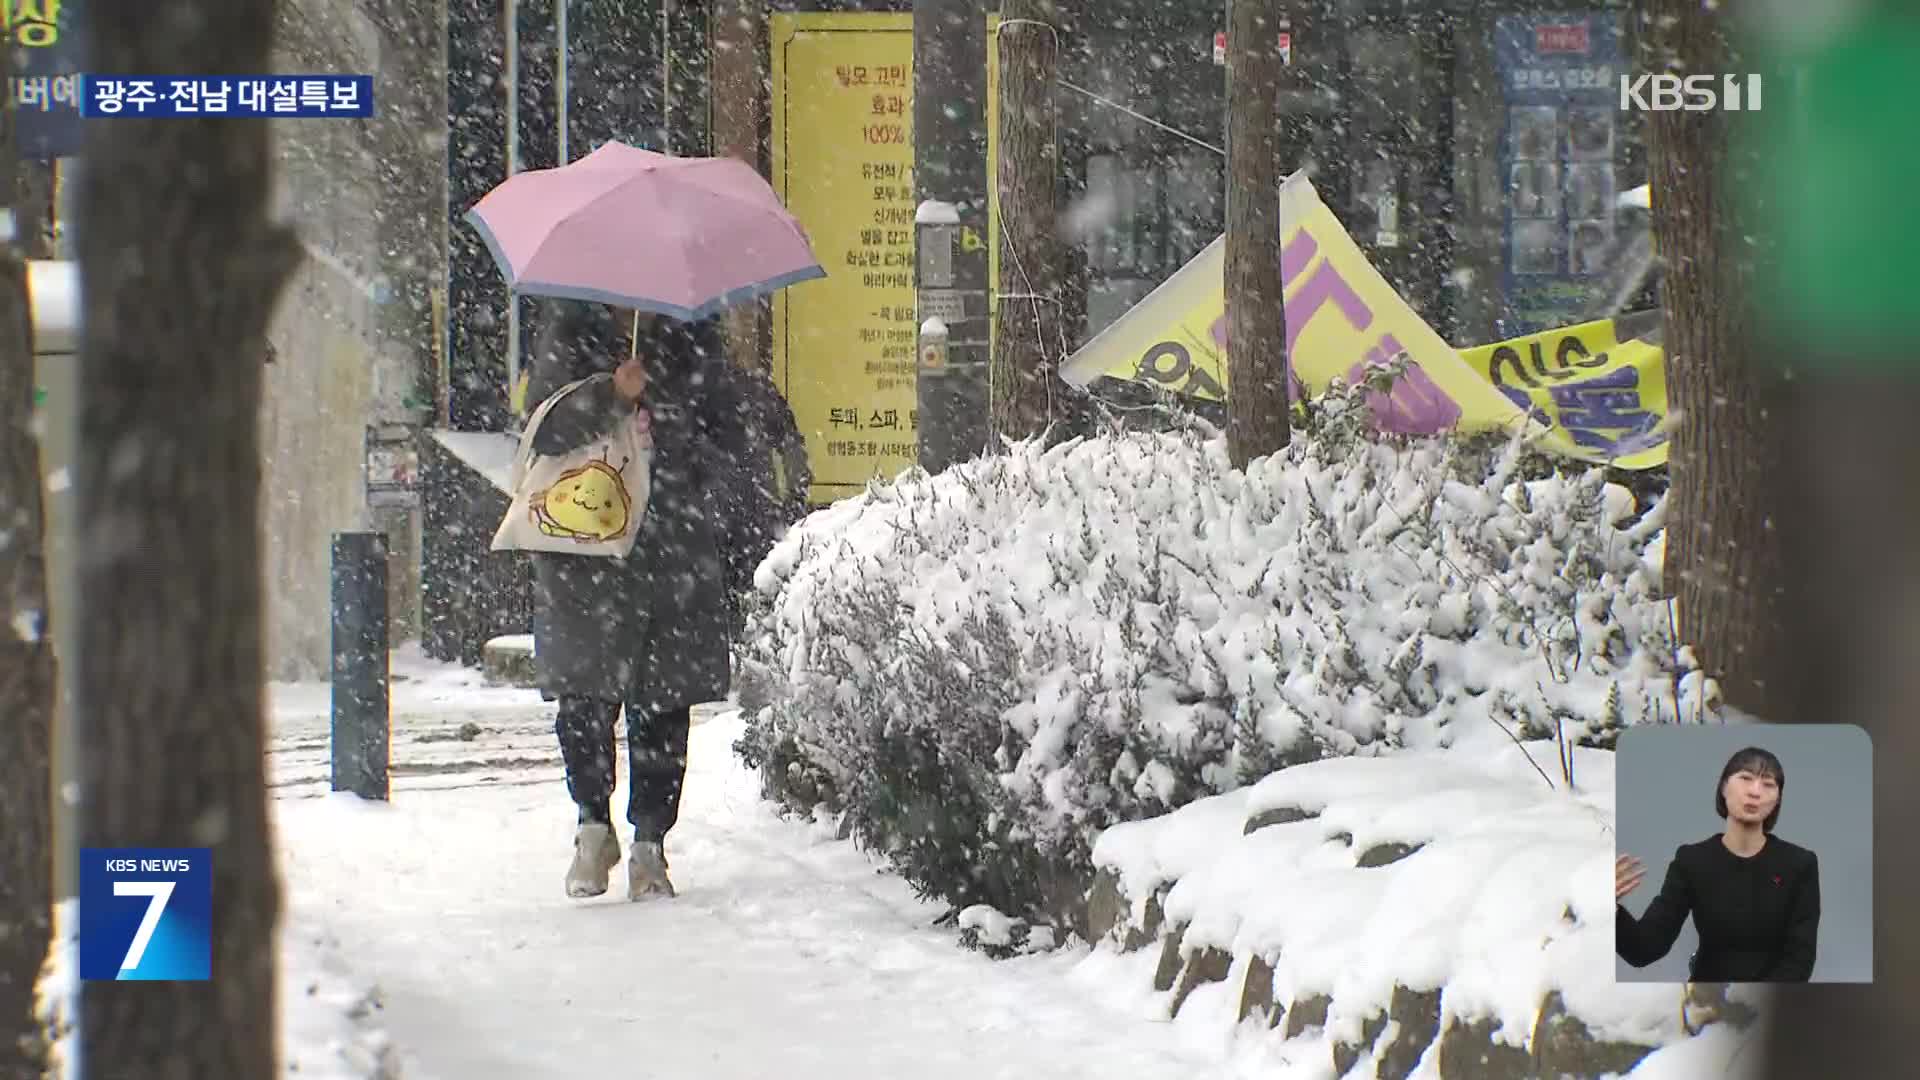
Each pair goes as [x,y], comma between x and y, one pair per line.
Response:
[1342,318]
[1595,391]
[844,346]
[1603,390]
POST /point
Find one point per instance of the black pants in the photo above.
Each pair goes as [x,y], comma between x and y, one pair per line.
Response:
[656,763]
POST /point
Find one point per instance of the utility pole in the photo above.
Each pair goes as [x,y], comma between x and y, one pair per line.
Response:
[1257,367]
[1028,343]
[950,184]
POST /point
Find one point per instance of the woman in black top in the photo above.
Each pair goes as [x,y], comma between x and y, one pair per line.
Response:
[1754,898]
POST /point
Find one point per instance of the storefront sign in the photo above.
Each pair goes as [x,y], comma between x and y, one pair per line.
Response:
[845,349]
[393,465]
[46,83]
[1560,77]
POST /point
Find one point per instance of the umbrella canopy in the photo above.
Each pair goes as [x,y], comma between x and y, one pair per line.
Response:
[683,237]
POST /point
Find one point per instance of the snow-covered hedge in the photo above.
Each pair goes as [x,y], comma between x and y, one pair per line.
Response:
[984,669]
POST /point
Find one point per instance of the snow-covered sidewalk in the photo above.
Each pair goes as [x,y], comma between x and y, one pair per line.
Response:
[787,953]
[429,939]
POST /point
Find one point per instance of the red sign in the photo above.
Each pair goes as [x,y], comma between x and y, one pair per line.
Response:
[1285,41]
[1570,38]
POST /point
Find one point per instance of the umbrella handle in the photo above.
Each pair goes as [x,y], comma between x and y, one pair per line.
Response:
[633,339]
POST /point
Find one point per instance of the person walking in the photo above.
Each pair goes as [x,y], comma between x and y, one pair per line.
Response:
[647,633]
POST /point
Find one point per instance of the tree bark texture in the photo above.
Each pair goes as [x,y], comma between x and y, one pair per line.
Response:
[1257,420]
[1856,634]
[1723,556]
[1027,393]
[27,684]
[180,270]
[1853,479]
[739,113]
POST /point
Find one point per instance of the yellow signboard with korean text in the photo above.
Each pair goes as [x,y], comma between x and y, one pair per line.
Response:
[1602,391]
[1342,319]
[843,346]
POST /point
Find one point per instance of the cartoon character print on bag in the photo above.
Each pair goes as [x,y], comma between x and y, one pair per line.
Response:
[590,504]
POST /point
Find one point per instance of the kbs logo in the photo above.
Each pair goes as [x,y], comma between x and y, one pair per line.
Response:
[146,913]
[1690,93]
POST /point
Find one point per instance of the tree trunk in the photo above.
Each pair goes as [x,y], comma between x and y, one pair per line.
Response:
[739,110]
[26,662]
[1856,633]
[1257,421]
[1840,329]
[1723,556]
[1027,392]
[180,270]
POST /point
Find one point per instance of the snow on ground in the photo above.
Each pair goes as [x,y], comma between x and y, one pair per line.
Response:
[787,953]
[429,937]
[421,687]
[449,727]
[439,918]
[329,1021]
[1502,900]
[790,953]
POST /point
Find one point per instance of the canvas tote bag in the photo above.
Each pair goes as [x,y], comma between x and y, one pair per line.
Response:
[588,501]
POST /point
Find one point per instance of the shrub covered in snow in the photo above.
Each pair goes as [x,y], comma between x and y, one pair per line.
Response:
[984,669]
[1439,913]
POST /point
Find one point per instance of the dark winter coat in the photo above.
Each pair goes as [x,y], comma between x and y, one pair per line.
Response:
[650,629]
[769,491]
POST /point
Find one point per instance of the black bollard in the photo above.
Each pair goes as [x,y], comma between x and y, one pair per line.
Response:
[360,705]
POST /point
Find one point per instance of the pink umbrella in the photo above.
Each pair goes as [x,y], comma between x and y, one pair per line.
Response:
[684,237]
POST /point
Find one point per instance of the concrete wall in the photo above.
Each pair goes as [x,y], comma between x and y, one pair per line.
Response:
[319,392]
[344,358]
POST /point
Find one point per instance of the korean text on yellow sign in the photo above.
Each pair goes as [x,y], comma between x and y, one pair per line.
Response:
[35,23]
[844,347]
[1605,398]
[1342,318]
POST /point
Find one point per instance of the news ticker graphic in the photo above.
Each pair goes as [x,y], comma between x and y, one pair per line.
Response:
[146,913]
[120,97]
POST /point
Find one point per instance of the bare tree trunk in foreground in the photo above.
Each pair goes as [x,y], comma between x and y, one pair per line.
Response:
[27,684]
[1257,420]
[1027,341]
[181,271]
[1723,554]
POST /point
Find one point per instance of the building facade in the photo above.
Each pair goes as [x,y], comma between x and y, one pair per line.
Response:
[1441,132]
[1473,150]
